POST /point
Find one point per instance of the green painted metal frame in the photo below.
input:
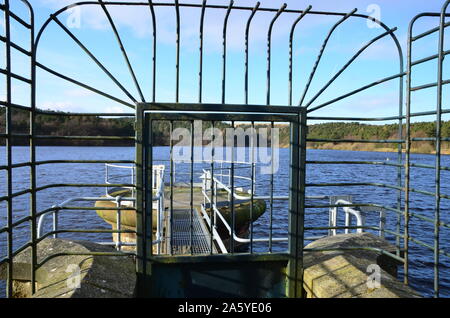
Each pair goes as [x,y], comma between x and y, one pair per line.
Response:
[140,139]
[439,84]
[146,113]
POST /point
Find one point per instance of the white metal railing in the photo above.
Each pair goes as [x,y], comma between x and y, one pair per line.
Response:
[158,204]
[359,213]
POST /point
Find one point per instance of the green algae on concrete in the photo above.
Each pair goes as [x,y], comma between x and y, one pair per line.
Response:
[345,273]
[73,276]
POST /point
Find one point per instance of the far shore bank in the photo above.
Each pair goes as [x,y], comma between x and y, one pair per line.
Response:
[341,147]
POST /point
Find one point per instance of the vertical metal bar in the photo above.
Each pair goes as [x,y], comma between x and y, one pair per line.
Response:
[247,32]
[211,205]
[192,190]
[407,155]
[141,260]
[152,11]
[200,73]
[291,51]
[269,49]
[119,223]
[438,150]
[232,192]
[148,184]
[171,189]
[177,90]
[252,199]
[33,203]
[9,287]
[399,161]
[296,206]
[224,55]
[272,149]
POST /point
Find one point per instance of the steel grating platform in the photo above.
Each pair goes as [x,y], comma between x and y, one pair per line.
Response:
[182,232]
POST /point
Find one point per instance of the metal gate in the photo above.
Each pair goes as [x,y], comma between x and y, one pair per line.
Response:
[162,281]
[151,266]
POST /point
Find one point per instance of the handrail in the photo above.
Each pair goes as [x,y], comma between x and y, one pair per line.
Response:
[349,211]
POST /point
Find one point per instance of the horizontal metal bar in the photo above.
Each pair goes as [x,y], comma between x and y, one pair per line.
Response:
[419,242]
[85,137]
[83,185]
[15,195]
[78,208]
[47,162]
[418,114]
[357,140]
[378,163]
[15,76]
[17,165]
[355,184]
[6,104]
[341,228]
[50,113]
[429,58]
[110,254]
[15,17]
[327,206]
[374,249]
[427,219]
[226,108]
[382,163]
[44,236]
[430,139]
[415,38]
[425,86]
[220,258]
[417,165]
[225,117]
[16,252]
[14,45]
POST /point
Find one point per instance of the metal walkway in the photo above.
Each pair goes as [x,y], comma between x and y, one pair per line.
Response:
[183,233]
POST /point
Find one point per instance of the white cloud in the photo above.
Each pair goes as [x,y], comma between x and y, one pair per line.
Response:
[64,106]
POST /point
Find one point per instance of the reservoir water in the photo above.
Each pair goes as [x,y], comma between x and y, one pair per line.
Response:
[422,179]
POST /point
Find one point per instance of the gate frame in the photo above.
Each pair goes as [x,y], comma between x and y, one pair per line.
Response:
[296,116]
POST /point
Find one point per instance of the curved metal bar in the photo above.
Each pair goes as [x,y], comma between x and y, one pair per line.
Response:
[437,215]
[363,88]
[81,3]
[83,85]
[319,57]
[348,64]
[269,48]
[122,48]
[247,32]
[152,11]
[177,90]
[291,50]
[202,20]
[224,55]
[86,50]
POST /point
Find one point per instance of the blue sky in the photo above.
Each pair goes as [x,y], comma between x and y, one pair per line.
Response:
[59,52]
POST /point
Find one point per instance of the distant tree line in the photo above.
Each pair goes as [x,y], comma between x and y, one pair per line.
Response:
[63,124]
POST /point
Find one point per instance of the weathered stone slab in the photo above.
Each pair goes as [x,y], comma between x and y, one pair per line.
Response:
[98,276]
[344,274]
